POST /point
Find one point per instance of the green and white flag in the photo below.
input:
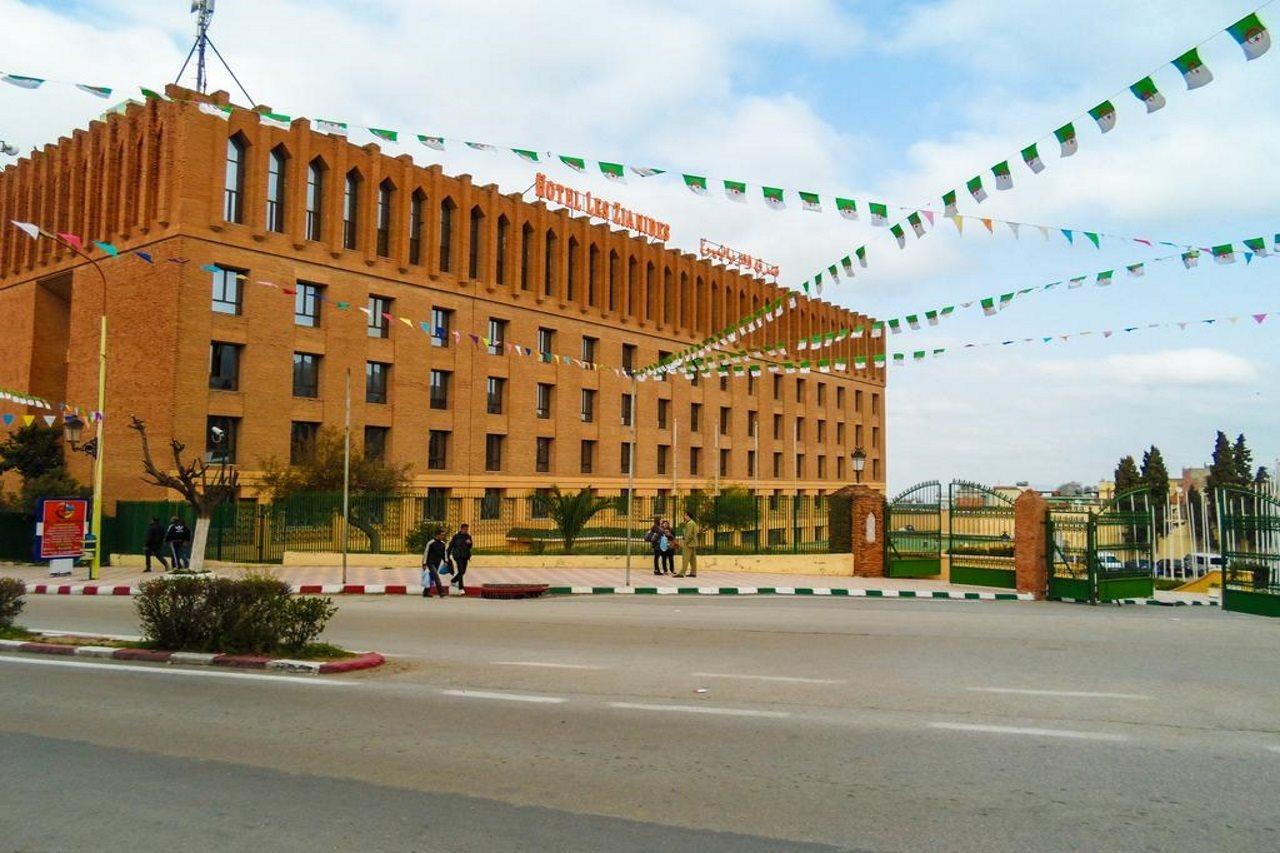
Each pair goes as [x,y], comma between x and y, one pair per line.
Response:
[988,306]
[817,283]
[859,362]
[1145,90]
[919,355]
[834,272]
[525,154]
[810,202]
[481,146]
[847,207]
[1076,282]
[647,171]
[1105,115]
[389,135]
[151,94]
[879,213]
[1031,156]
[1104,278]
[899,235]
[332,128]
[878,359]
[22,82]
[215,110]
[847,263]
[975,189]
[895,325]
[857,332]
[1257,245]
[824,365]
[1251,35]
[1225,254]
[1137,270]
[949,204]
[1005,299]
[861,254]
[1191,258]
[275,120]
[575,163]
[932,317]
[913,321]
[916,225]
[613,171]
[1193,70]
[1004,178]
[696,184]
[736,191]
[1066,136]
[436,142]
[97,91]
[773,197]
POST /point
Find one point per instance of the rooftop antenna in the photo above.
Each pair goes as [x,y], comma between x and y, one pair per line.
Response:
[203,10]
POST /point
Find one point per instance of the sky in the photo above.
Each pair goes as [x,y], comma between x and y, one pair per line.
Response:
[883,101]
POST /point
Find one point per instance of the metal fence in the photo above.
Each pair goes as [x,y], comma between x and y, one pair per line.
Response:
[248,531]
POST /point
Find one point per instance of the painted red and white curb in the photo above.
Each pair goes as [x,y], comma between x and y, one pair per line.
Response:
[364,660]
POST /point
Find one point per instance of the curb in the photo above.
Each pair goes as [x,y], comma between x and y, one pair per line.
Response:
[366,660]
[1153,602]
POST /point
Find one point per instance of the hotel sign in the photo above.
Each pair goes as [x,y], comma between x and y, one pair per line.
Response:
[549,190]
[717,252]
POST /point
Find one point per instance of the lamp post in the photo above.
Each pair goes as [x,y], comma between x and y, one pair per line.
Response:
[859,458]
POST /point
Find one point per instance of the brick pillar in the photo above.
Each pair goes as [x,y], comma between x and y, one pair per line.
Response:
[868,531]
[1030,541]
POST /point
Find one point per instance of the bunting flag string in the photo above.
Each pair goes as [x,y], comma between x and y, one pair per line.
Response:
[1258,319]
[31,401]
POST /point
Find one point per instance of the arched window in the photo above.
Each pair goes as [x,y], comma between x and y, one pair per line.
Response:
[233,194]
[698,286]
[386,208]
[593,275]
[571,274]
[351,210]
[715,307]
[315,199]
[633,287]
[476,248]
[650,292]
[416,206]
[447,208]
[526,254]
[668,296]
[500,250]
[549,263]
[277,162]
[613,281]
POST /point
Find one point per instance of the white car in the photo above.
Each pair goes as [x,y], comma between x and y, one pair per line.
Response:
[1108,562]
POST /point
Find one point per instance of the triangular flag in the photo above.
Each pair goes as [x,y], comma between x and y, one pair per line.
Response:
[1014,226]
[1066,136]
[1251,35]
[107,247]
[7,418]
[1070,235]
[988,225]
[76,241]
[146,256]
[1145,90]
[525,154]
[958,221]
[1193,71]
[49,419]
[1258,318]
[29,228]
[28,420]
[97,91]
[1093,238]
[22,82]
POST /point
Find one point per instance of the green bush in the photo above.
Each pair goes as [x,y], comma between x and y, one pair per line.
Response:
[250,615]
[11,592]
[417,538]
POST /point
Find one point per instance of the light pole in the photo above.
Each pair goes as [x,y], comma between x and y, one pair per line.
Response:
[859,459]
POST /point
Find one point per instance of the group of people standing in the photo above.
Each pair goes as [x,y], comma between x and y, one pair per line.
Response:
[665,544]
[441,559]
[173,541]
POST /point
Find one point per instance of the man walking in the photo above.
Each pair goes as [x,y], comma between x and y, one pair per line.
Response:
[154,546]
[432,558]
[653,537]
[689,548]
[178,539]
[459,551]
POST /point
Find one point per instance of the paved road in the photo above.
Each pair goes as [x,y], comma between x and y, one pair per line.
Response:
[580,724]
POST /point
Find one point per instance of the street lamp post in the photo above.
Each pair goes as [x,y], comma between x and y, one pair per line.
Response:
[859,458]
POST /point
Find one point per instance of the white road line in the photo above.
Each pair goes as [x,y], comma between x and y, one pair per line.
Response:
[1019,730]
[124,638]
[543,665]
[1274,748]
[783,678]
[509,697]
[1074,694]
[699,709]
[163,669]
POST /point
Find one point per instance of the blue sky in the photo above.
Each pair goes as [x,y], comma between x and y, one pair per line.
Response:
[877,100]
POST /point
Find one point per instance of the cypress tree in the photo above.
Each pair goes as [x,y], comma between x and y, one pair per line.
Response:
[1127,476]
[1243,459]
[1156,478]
[1222,470]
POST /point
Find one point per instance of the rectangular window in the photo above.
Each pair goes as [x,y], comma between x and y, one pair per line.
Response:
[588,454]
[233,196]
[822,393]
[875,403]
[857,435]
[857,400]
[664,450]
[546,340]
[724,383]
[624,457]
[799,436]
[415,227]
[840,397]
[306,304]
[695,417]
[875,438]
[777,386]
[543,400]
[875,470]
[351,211]
[799,465]
[440,389]
[822,431]
[224,366]
[540,506]
[379,326]
[438,450]
[751,385]
[306,374]
[302,440]
[840,433]
[227,290]
[493,452]
[542,457]
[628,357]
[376,376]
[526,254]
[695,461]
[627,409]
[315,199]
[277,160]
[753,424]
[660,501]
[724,463]
[500,252]
[587,411]
[447,209]
[724,420]
[495,390]
[777,427]
[751,463]
[777,465]
[475,245]
[840,467]
[375,442]
[386,196]
[664,412]
[497,336]
[491,505]
[822,467]
[220,439]
[800,390]
[441,324]
[589,349]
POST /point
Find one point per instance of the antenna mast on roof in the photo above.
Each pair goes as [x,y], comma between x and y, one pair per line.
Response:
[203,10]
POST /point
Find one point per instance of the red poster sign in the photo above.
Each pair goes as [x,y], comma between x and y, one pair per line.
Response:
[62,527]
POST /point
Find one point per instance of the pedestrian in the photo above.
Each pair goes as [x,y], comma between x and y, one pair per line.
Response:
[432,558]
[154,546]
[459,551]
[652,537]
[177,537]
[667,545]
[689,548]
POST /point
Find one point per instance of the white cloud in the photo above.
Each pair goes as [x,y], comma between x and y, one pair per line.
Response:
[1170,367]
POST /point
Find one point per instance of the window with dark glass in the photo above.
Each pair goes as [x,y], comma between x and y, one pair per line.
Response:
[542,455]
[799,437]
[376,380]
[440,389]
[589,345]
[664,450]
[306,304]
[799,390]
[627,406]
[751,384]
[724,383]
[233,193]
[588,409]
[777,427]
[491,504]
[546,340]
[840,398]
[415,226]
[224,366]
[857,400]
[386,201]
[497,336]
[571,271]
[628,357]
[493,452]
[588,455]
[822,467]
[777,465]
[664,414]
[379,326]
[753,423]
[549,263]
[540,503]
[799,465]
[500,251]
[875,437]
[695,417]
[375,442]
[751,463]
[613,281]
[857,435]
[441,324]
[724,463]
[351,210]
[277,162]
[875,403]
[724,420]
[695,461]
[822,431]
[315,199]
[495,390]
[593,265]
[302,440]
[306,374]
[624,457]
[227,290]
[526,254]
[542,400]
[447,208]
[839,433]
[438,449]
[220,434]
[822,393]
[840,467]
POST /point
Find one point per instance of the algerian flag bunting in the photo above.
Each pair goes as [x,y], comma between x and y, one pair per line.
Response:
[22,82]
[97,91]
[847,207]
[1137,270]
[847,263]
[1193,70]
[1104,278]
[1031,156]
[613,171]
[1145,90]
[1066,136]
[773,197]
[275,120]
[949,204]
[810,202]
[1190,259]
[1225,254]
[215,110]
[1257,245]
[861,255]
[1105,115]
[736,191]
[647,171]
[389,135]
[482,146]
[332,128]
[916,225]
[1004,179]
[696,184]
[900,235]
[435,142]
[879,213]
[834,272]
[975,189]
[1251,35]
[525,154]
[575,163]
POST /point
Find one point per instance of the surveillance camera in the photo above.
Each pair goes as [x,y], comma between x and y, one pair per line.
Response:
[217,433]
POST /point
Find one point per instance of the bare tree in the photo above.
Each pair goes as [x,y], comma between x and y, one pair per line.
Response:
[204,487]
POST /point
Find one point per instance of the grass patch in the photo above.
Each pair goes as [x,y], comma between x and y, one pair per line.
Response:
[324,651]
[1168,583]
[14,632]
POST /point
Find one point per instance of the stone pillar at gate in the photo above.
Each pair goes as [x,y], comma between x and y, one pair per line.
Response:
[1030,543]
[867,506]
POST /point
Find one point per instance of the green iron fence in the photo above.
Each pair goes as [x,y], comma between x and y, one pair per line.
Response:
[980,540]
[913,532]
[1249,521]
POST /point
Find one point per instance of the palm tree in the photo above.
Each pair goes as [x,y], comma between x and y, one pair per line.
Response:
[571,512]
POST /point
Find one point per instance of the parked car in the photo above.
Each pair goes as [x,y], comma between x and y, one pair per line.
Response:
[1108,562]
[1139,565]
[1197,565]
[1169,567]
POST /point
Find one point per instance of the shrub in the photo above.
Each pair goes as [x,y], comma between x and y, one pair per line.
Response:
[11,592]
[306,617]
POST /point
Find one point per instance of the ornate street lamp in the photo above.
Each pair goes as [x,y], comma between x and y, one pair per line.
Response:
[72,430]
[859,462]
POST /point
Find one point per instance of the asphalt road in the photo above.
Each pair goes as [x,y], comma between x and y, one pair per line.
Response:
[658,724]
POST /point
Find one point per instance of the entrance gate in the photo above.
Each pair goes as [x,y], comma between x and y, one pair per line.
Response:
[1102,552]
[1249,538]
[980,545]
[913,525]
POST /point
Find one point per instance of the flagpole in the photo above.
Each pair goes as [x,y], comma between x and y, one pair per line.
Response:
[346,477]
[631,479]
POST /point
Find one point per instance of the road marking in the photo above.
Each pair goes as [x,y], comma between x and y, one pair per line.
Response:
[509,697]
[699,709]
[163,669]
[546,665]
[1019,730]
[1274,748]
[97,635]
[1074,694]
[783,678]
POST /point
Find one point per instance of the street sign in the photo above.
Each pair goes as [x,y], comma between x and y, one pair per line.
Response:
[60,528]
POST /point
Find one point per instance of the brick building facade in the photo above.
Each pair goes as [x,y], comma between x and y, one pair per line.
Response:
[343,225]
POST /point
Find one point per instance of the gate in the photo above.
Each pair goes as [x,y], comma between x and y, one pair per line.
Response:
[1249,537]
[980,545]
[913,538]
[1102,552]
